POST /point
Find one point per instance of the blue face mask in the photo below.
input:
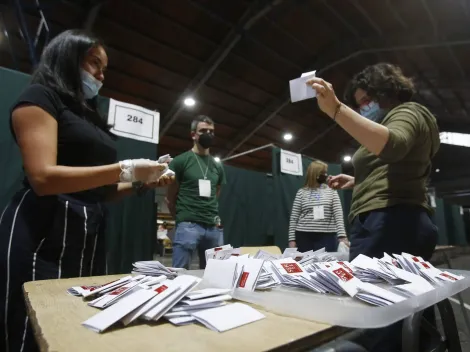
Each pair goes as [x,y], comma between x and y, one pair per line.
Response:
[90,85]
[373,112]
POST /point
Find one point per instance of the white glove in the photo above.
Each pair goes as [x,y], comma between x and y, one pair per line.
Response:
[141,170]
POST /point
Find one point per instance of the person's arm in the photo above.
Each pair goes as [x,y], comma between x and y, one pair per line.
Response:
[36,134]
[338,215]
[171,197]
[126,188]
[294,216]
[371,135]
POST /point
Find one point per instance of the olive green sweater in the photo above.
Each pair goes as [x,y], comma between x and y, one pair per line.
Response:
[399,174]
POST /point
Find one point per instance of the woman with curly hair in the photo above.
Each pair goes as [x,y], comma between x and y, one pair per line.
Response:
[398,138]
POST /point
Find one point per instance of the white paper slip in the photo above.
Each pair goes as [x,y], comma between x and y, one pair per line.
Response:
[165,291]
[228,317]
[449,277]
[109,286]
[116,312]
[377,291]
[290,253]
[185,283]
[186,308]
[112,297]
[180,321]
[204,301]
[299,90]
[251,270]
[265,255]
[210,253]
[220,274]
[207,292]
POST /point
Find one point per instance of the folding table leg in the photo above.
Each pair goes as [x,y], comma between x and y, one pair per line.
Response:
[411,332]
[459,296]
[450,326]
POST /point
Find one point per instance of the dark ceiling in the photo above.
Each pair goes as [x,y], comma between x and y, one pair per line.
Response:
[236,58]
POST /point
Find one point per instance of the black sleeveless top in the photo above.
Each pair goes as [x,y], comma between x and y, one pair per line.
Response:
[79,142]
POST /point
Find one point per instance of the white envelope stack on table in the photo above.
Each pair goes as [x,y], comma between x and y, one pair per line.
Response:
[406,275]
[149,297]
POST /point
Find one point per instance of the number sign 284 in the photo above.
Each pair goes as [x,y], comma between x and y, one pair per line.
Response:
[135,119]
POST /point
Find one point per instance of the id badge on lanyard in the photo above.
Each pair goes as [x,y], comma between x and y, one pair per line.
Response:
[318,210]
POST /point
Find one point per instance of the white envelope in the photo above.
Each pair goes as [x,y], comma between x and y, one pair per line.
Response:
[299,90]
[228,317]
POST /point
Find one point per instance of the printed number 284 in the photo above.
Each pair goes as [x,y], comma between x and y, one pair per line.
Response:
[134,119]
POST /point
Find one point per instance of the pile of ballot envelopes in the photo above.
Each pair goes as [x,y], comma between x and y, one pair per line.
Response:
[397,276]
[172,296]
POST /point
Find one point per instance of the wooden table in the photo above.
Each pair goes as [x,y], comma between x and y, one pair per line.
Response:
[56,317]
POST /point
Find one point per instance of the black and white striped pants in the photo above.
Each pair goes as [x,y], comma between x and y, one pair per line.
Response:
[43,238]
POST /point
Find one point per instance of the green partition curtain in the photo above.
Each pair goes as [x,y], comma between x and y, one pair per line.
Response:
[12,84]
[285,188]
[245,206]
[131,227]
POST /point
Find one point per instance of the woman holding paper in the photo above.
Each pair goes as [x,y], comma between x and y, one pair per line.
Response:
[316,219]
[389,211]
[54,227]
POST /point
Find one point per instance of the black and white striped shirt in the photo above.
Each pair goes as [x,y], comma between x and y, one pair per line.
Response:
[302,219]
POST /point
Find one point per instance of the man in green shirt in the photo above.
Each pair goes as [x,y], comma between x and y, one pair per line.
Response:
[193,198]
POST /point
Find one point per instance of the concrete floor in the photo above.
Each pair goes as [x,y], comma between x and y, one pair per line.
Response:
[462,262]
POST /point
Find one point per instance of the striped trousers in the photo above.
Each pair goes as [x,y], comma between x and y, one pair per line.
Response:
[41,238]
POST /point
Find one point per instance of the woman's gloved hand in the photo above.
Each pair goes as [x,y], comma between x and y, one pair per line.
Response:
[144,170]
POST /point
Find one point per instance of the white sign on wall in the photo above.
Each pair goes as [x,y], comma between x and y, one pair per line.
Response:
[291,163]
[133,121]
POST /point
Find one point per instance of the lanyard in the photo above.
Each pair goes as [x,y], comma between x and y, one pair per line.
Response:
[316,195]
[204,174]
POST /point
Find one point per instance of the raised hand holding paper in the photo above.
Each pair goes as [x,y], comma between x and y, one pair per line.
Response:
[299,90]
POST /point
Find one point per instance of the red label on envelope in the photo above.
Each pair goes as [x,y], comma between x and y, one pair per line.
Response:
[415,259]
[291,268]
[425,265]
[448,276]
[343,274]
[118,290]
[217,249]
[160,289]
[348,269]
[244,278]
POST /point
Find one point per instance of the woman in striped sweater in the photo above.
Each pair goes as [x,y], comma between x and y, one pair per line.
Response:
[316,219]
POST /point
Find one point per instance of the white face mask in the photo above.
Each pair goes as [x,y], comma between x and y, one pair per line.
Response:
[90,85]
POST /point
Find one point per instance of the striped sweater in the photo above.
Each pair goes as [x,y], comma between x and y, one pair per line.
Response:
[301,218]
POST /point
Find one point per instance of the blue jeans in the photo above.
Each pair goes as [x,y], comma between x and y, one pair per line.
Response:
[397,229]
[190,236]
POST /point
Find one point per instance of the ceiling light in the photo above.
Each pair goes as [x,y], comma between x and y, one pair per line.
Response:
[189,101]
[347,158]
[217,159]
[288,136]
[437,170]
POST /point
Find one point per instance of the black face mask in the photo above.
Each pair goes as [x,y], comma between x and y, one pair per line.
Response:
[322,178]
[205,140]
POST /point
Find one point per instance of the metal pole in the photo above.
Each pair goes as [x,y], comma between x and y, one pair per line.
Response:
[24,30]
[249,151]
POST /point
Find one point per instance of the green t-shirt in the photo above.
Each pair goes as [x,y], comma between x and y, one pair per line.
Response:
[189,168]
[399,174]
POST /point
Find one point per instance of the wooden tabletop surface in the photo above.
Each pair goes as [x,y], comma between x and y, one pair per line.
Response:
[56,317]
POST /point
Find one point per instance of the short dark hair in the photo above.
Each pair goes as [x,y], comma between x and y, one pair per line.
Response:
[198,120]
[59,69]
[381,81]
